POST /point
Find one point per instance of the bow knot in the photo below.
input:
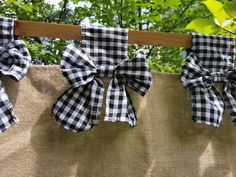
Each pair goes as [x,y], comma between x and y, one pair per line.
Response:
[78,108]
[208,81]
[231,75]
[227,77]
[210,60]
[199,76]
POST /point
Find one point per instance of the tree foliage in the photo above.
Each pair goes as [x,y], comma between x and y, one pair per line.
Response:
[149,15]
[222,20]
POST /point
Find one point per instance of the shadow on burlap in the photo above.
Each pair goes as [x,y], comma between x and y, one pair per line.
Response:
[165,142]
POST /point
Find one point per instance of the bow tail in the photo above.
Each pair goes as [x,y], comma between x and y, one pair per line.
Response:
[96,94]
[73,109]
[207,106]
[229,94]
[118,104]
[7,117]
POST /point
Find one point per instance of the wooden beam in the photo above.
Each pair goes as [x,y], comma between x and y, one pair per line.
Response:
[160,39]
[40,29]
[73,32]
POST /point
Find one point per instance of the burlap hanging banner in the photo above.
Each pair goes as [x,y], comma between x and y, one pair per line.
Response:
[165,142]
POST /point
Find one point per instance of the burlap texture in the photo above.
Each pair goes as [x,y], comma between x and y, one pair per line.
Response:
[164,144]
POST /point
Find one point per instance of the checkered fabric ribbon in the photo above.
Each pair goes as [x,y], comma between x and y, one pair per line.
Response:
[210,60]
[14,62]
[104,54]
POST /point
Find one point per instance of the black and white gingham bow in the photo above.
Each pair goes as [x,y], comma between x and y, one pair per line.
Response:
[210,60]
[14,62]
[103,55]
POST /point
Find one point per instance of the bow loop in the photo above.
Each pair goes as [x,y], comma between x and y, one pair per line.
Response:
[79,107]
[76,66]
[229,93]
[135,73]
[14,59]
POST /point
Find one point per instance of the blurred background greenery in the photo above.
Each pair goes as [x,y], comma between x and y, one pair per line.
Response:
[178,16]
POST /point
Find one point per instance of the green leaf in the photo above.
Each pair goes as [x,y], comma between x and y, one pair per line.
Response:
[216,8]
[161,2]
[230,8]
[202,25]
[172,3]
[25,7]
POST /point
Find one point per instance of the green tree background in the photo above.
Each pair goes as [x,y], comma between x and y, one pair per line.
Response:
[210,16]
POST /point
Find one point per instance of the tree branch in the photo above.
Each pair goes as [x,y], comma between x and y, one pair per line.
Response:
[150,51]
[63,11]
[140,26]
[121,17]
[182,13]
[45,11]
[228,31]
